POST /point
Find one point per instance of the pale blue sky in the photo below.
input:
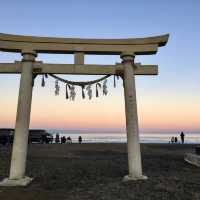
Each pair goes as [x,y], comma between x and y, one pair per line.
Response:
[179,62]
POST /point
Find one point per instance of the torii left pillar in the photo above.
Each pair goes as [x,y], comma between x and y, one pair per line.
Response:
[20,145]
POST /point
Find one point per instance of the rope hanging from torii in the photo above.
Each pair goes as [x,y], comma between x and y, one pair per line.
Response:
[85,85]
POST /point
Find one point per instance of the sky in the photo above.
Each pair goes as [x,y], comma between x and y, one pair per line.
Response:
[168,102]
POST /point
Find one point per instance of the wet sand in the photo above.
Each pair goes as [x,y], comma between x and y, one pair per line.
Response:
[95,171]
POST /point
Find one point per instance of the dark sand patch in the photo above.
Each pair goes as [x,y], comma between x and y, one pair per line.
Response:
[95,171]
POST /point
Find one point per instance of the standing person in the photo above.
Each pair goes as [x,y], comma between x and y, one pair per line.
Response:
[57,139]
[182,135]
[80,139]
[172,140]
[64,139]
[61,139]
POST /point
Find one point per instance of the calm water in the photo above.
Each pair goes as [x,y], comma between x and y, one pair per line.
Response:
[121,137]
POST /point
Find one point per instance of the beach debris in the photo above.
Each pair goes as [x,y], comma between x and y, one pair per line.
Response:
[192,158]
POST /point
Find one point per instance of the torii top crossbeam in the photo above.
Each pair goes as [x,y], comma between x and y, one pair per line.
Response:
[139,46]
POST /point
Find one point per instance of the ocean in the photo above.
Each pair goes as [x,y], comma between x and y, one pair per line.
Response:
[190,138]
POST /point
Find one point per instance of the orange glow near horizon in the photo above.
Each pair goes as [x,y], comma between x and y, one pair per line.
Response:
[155,113]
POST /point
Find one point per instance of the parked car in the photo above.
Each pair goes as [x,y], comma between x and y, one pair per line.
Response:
[6,135]
[35,136]
[40,136]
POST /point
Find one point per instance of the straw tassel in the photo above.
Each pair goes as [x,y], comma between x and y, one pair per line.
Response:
[83,92]
[43,82]
[105,90]
[72,93]
[97,92]
[89,91]
[57,88]
[67,95]
[114,81]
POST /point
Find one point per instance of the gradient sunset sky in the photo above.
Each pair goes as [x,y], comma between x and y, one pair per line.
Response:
[169,102]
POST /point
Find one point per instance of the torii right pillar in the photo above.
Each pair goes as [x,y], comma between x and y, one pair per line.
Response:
[133,141]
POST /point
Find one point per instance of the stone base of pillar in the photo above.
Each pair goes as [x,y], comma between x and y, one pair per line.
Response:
[16,182]
[129,178]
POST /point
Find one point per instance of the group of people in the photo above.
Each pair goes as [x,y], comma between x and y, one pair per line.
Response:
[63,139]
[175,139]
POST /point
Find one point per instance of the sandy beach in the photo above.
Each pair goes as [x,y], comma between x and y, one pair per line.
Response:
[95,171]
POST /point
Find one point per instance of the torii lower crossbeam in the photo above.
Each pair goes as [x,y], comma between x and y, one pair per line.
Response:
[48,68]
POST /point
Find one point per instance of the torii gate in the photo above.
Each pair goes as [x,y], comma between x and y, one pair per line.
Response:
[30,46]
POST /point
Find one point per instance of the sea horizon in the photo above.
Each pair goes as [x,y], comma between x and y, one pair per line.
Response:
[120,137]
[116,136]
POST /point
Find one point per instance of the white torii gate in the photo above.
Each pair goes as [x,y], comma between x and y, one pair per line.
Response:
[30,46]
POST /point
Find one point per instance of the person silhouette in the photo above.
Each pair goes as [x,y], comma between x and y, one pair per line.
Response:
[57,139]
[172,139]
[69,140]
[182,135]
[80,139]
